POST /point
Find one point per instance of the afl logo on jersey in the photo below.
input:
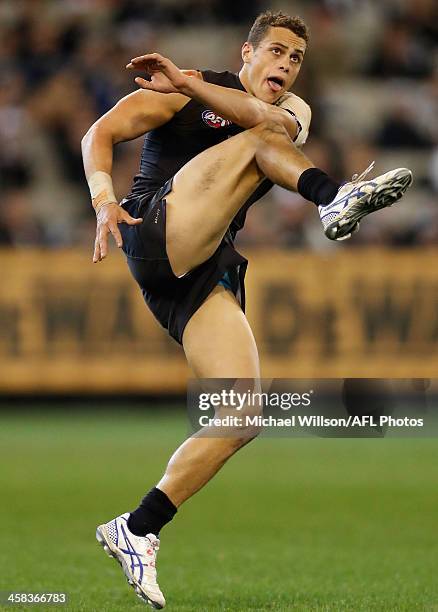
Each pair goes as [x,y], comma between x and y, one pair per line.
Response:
[213,120]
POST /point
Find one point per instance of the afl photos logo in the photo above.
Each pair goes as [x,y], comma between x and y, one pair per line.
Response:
[213,120]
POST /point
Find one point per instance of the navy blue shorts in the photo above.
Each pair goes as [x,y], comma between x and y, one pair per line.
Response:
[174,300]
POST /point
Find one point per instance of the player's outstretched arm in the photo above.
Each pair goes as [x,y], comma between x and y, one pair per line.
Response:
[237,106]
[133,116]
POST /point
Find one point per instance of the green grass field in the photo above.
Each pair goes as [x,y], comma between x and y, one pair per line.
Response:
[289,524]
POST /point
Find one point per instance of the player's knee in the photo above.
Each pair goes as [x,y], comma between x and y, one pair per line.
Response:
[244,437]
[270,128]
[251,433]
[248,425]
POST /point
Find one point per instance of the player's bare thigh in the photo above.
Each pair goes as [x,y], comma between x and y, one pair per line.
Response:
[219,344]
[218,340]
[207,193]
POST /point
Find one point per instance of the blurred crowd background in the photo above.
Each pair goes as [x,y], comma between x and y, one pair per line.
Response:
[370,76]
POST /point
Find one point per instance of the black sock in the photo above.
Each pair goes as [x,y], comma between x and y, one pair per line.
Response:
[154,511]
[316,186]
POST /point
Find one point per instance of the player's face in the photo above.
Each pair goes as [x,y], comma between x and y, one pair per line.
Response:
[271,69]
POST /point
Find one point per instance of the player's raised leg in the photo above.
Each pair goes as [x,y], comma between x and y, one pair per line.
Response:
[210,189]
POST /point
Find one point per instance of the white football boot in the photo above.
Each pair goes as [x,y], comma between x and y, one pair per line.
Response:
[137,556]
[359,198]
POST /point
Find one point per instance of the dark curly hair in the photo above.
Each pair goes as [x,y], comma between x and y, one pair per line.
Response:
[278,19]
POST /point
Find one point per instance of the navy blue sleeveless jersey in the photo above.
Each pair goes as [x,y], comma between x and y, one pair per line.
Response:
[192,130]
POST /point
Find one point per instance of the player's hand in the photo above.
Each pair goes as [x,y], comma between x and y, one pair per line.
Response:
[108,217]
[165,76]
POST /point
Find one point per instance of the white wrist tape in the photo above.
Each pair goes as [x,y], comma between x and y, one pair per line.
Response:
[101,189]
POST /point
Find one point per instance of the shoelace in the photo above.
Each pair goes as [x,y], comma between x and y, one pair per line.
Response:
[150,567]
[356,178]
[155,544]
